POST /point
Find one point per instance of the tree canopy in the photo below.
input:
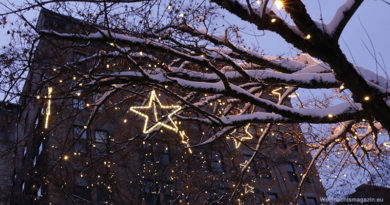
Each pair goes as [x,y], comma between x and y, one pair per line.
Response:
[200,54]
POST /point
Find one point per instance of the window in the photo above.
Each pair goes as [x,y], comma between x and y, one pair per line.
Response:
[81,190]
[280,141]
[203,161]
[291,172]
[301,201]
[265,170]
[77,56]
[23,186]
[258,198]
[102,194]
[164,155]
[101,136]
[216,162]
[36,122]
[39,193]
[102,141]
[150,192]
[311,201]
[79,132]
[25,151]
[80,136]
[293,145]
[78,103]
[148,152]
[40,149]
[35,161]
[272,197]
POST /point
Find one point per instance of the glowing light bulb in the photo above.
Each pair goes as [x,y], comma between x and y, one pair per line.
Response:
[308,36]
[273,20]
[181,15]
[330,115]
[66,157]
[366,98]
[279,4]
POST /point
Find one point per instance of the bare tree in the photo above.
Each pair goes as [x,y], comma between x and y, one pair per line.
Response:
[187,51]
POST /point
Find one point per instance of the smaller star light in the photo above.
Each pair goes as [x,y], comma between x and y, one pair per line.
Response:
[49,91]
[276,92]
[242,165]
[248,189]
[153,105]
[249,136]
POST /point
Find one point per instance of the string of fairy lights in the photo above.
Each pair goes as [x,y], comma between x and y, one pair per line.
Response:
[157,116]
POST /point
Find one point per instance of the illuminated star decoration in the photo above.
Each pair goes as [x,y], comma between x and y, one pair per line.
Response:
[185,140]
[248,189]
[242,165]
[276,92]
[154,105]
[249,136]
[49,91]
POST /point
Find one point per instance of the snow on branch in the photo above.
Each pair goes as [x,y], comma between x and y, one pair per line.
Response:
[341,18]
[281,64]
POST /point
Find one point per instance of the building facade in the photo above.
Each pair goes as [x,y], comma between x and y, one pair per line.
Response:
[8,121]
[74,158]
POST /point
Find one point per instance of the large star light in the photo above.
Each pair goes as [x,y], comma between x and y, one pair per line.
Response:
[156,119]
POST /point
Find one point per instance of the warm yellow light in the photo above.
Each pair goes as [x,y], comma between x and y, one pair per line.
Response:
[258,2]
[386,144]
[308,36]
[279,4]
[275,92]
[169,6]
[330,115]
[366,98]
[342,87]
[242,165]
[49,91]
[185,140]
[141,53]
[273,20]
[38,97]
[78,94]
[181,15]
[66,157]
[294,95]
[153,104]
[249,189]
[125,121]
[249,136]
